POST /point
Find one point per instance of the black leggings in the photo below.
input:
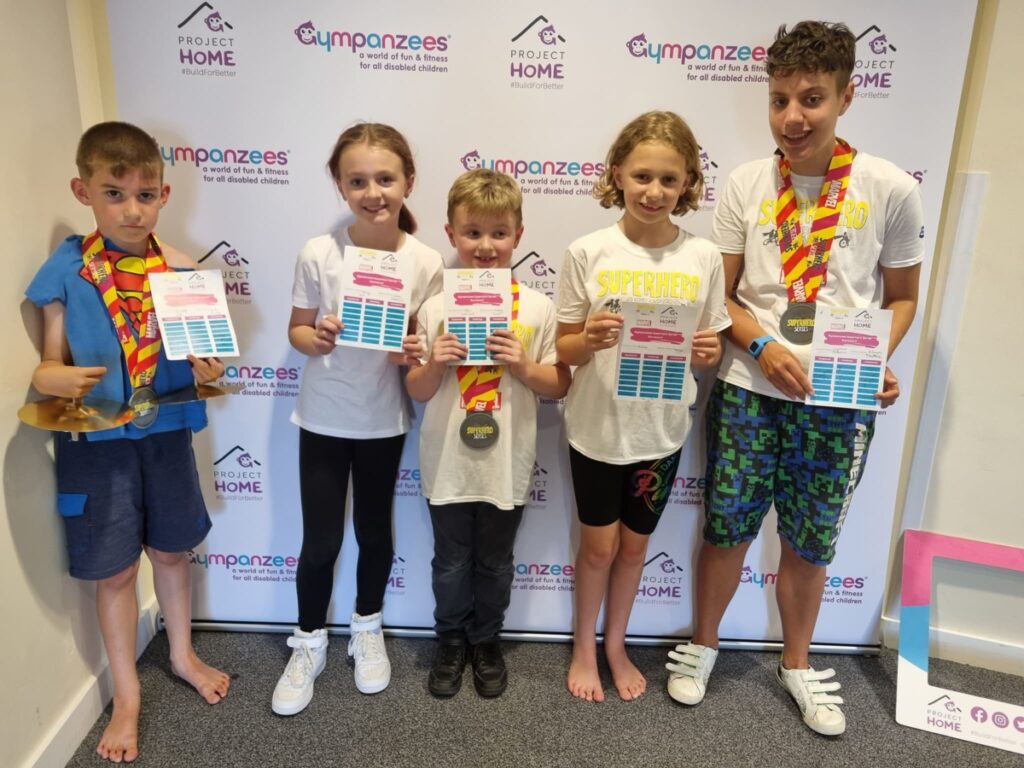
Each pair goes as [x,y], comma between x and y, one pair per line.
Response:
[324,465]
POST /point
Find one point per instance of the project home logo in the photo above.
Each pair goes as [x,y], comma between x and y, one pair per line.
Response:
[537,56]
[533,270]
[874,72]
[397,578]
[661,582]
[237,476]
[235,269]
[539,489]
[389,51]
[206,44]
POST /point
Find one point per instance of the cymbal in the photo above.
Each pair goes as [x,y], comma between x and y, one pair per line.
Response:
[62,414]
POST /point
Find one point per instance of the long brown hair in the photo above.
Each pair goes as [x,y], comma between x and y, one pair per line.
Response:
[385,137]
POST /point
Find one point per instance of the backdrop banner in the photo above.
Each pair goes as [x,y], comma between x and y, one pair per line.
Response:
[246,100]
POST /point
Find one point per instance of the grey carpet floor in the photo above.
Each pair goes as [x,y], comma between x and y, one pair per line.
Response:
[746,720]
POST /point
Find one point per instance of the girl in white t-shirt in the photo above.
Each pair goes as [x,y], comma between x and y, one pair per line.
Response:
[624,453]
[351,411]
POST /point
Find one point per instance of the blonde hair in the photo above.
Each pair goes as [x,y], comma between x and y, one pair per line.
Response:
[120,147]
[488,192]
[384,137]
[653,127]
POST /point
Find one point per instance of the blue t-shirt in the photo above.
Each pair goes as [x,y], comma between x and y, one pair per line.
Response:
[93,341]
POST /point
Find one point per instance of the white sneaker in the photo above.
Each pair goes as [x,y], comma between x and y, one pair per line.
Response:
[814,698]
[689,678]
[295,688]
[366,646]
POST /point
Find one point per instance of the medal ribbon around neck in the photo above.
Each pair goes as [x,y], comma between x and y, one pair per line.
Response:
[140,354]
[478,384]
[805,262]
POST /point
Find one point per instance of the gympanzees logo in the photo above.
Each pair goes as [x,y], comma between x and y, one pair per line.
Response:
[537,57]
[206,44]
[391,51]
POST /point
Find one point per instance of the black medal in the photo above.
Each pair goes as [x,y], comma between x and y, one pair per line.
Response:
[144,407]
[797,323]
[479,430]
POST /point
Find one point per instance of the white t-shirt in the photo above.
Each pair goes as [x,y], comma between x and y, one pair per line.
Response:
[450,471]
[596,424]
[353,392]
[880,225]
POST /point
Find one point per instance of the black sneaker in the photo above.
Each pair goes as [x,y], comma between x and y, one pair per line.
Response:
[445,677]
[489,673]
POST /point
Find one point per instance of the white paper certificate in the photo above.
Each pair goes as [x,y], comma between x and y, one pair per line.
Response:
[192,310]
[848,356]
[654,351]
[477,302]
[376,287]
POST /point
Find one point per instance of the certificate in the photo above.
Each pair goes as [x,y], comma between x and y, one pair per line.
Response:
[477,302]
[376,288]
[848,356]
[192,310]
[654,351]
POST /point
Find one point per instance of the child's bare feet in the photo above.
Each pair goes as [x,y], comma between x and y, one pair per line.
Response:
[211,683]
[629,681]
[120,740]
[584,682]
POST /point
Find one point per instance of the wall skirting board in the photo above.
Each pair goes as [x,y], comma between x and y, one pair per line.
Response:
[82,710]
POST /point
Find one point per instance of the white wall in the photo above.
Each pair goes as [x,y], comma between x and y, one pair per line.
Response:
[51,648]
[978,612]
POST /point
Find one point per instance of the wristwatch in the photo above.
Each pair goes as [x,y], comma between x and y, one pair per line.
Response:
[757,345]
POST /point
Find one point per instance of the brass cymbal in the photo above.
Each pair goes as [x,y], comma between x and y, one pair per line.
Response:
[62,414]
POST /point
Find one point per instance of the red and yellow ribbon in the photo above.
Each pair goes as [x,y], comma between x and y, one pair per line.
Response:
[805,261]
[140,354]
[479,384]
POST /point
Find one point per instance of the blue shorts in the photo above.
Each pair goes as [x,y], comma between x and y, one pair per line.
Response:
[117,495]
[808,459]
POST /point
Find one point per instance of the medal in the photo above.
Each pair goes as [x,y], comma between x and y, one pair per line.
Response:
[797,323]
[805,257]
[144,407]
[479,430]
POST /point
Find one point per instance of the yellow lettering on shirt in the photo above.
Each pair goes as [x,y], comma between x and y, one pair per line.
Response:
[648,284]
[854,215]
[525,334]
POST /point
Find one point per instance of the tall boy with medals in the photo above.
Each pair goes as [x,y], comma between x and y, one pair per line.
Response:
[479,432]
[846,232]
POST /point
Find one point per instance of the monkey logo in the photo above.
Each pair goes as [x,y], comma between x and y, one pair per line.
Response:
[879,44]
[548,36]
[305,32]
[215,22]
[246,460]
[668,565]
[471,160]
[637,46]
[539,268]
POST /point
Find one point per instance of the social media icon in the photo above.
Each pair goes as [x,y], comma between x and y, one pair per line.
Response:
[979,715]
[1018,723]
[1000,720]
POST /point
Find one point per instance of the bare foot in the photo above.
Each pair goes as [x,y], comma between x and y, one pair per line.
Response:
[584,682]
[629,681]
[120,740]
[211,683]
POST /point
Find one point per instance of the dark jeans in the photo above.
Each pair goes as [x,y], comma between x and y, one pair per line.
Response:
[472,568]
[324,466]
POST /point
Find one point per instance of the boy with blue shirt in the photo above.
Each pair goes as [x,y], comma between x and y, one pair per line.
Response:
[478,440]
[134,486]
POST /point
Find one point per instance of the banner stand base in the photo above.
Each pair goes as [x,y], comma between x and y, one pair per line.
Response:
[533,637]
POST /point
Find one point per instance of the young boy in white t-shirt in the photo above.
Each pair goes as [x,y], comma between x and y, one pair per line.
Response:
[477,494]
